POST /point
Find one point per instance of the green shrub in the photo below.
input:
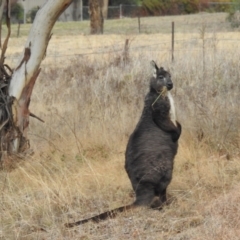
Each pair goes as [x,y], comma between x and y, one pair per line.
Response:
[32,14]
[156,7]
[234,14]
[17,13]
[190,6]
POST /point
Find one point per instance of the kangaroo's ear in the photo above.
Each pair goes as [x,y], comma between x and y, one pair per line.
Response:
[155,68]
[154,65]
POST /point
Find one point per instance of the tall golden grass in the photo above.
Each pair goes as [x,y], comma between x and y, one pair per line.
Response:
[91,104]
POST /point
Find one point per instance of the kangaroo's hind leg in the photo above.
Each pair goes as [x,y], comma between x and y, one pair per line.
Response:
[161,191]
[145,193]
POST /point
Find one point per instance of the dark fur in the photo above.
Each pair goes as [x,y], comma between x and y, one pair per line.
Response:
[153,145]
[150,151]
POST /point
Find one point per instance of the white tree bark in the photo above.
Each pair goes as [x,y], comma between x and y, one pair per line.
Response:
[37,42]
[27,70]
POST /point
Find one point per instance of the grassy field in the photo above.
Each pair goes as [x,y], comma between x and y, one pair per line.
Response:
[91,101]
[183,24]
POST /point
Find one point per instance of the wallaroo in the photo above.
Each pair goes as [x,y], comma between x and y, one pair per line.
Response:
[151,148]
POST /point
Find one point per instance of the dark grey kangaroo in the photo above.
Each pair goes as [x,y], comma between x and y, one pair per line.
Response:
[153,144]
[151,148]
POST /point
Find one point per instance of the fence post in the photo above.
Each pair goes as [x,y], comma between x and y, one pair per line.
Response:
[126,52]
[120,11]
[18,30]
[24,13]
[172,41]
[81,9]
[139,24]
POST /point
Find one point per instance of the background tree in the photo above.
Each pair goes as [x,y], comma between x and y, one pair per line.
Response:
[32,14]
[76,6]
[17,13]
[96,16]
[105,9]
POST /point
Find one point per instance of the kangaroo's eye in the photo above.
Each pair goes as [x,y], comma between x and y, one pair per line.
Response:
[161,76]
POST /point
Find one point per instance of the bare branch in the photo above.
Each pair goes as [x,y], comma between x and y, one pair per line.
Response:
[8,22]
[34,116]
[3,3]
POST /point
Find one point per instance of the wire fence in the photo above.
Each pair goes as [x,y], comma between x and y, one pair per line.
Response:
[132,11]
[115,12]
[22,14]
[216,22]
[139,46]
[150,35]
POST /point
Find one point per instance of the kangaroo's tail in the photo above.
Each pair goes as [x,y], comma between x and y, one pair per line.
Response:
[102,216]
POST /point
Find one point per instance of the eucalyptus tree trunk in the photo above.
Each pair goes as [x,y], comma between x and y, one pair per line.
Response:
[96,16]
[105,9]
[14,103]
[75,13]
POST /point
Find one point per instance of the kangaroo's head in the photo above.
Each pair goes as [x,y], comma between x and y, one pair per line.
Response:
[161,79]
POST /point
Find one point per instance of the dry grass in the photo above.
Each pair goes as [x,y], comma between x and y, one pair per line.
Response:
[91,103]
